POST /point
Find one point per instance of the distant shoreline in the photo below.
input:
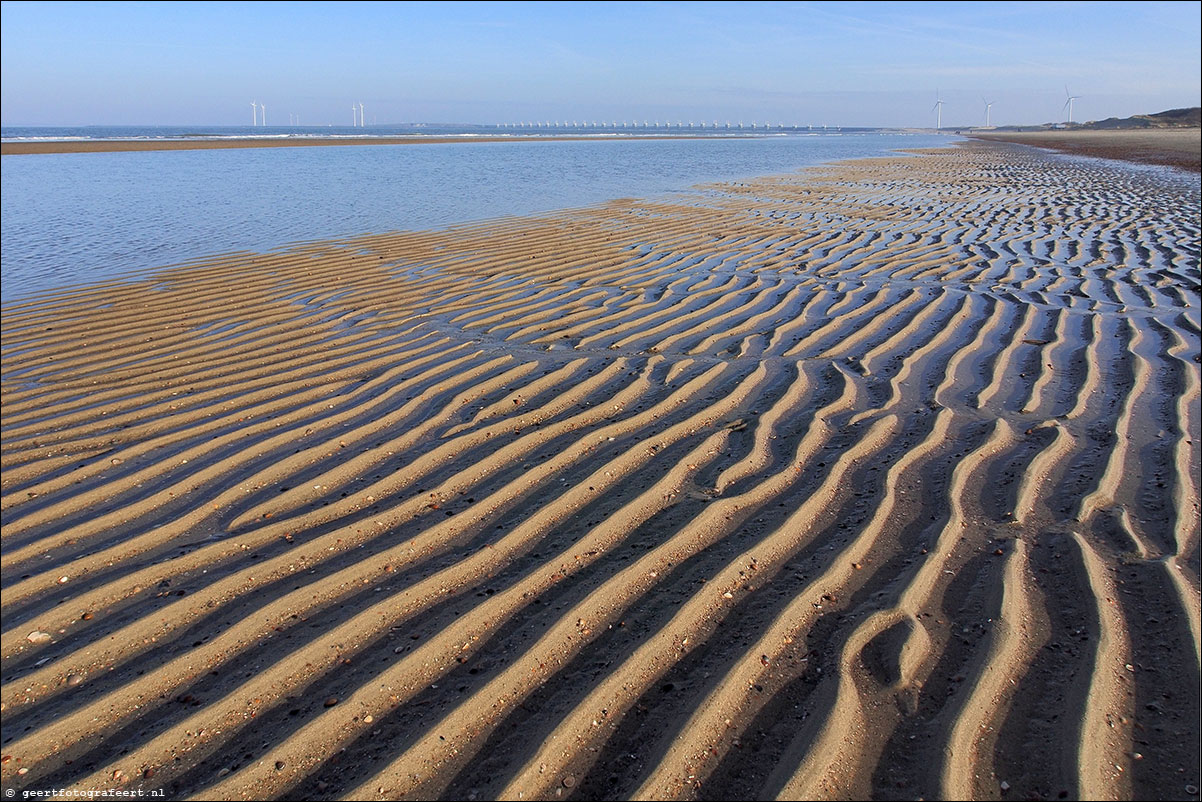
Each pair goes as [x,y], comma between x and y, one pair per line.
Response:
[124,145]
[1173,147]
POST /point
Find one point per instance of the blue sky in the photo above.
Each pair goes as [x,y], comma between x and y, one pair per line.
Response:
[855,64]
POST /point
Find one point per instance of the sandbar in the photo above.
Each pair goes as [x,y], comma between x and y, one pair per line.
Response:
[126,145]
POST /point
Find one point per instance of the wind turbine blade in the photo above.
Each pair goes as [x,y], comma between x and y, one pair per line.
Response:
[1065,106]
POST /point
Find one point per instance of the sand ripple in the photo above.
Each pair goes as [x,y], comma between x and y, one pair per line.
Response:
[876,480]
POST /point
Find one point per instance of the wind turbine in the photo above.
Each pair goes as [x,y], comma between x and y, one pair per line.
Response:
[938,109]
[263,109]
[1069,103]
[254,110]
[362,119]
[354,116]
[988,106]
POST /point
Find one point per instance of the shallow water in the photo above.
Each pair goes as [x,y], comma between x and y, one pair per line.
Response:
[80,217]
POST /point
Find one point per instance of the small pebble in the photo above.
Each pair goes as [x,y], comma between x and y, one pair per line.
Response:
[1005,786]
[37,636]
[569,781]
[22,771]
[368,719]
[74,679]
[333,700]
[279,764]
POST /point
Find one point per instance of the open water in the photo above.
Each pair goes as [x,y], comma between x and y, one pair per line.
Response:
[79,217]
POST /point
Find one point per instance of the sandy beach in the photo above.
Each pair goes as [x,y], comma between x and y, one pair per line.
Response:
[875,480]
[1173,147]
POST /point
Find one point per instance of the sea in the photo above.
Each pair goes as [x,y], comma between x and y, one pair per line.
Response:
[75,218]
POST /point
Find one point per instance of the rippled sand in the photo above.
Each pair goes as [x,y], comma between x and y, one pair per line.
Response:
[875,480]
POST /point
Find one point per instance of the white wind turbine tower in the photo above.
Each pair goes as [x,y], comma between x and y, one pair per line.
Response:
[354,116]
[938,109]
[362,119]
[988,106]
[1069,103]
[263,109]
[254,111]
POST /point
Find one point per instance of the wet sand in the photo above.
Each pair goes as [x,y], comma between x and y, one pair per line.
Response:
[1176,147]
[878,479]
[117,146]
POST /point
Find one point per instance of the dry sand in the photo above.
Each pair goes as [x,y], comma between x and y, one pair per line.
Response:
[1174,147]
[123,145]
[875,480]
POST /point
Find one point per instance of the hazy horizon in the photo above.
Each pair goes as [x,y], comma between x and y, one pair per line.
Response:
[838,64]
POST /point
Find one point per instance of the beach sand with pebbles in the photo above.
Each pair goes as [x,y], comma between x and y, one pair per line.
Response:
[876,480]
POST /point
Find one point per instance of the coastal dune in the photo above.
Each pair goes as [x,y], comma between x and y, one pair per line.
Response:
[874,480]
